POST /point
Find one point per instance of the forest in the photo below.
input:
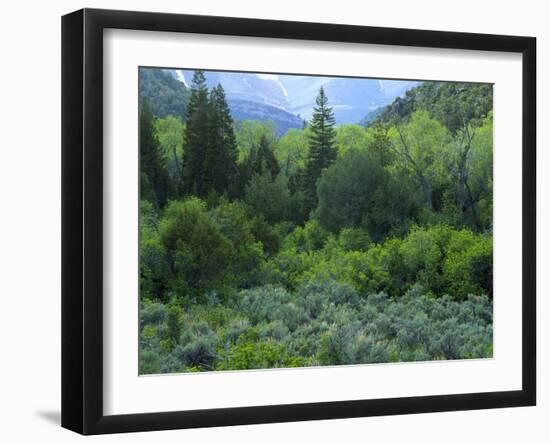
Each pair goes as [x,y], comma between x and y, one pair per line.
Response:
[328,245]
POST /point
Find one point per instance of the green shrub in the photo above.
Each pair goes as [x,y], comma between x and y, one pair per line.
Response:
[149,362]
[153,263]
[357,191]
[269,196]
[468,267]
[198,346]
[351,239]
[261,304]
[151,312]
[311,237]
[258,356]
[201,252]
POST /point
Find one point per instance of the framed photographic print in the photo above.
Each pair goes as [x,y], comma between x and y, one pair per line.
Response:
[270,221]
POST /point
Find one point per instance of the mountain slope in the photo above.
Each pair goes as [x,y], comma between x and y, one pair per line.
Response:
[450,103]
[250,110]
[250,97]
[287,100]
[256,88]
[165,94]
[351,98]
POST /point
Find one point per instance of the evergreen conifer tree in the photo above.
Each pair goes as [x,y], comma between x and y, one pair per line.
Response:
[154,181]
[220,160]
[322,151]
[264,159]
[196,136]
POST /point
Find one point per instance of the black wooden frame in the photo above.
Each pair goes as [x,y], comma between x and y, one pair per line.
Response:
[82,214]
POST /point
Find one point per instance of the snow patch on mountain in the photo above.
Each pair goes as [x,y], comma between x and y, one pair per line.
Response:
[351,98]
[179,76]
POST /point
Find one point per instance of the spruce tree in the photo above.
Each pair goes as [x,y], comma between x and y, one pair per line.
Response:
[264,159]
[220,160]
[260,160]
[196,136]
[322,151]
[155,184]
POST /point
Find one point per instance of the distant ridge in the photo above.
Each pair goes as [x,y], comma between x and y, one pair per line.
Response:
[287,100]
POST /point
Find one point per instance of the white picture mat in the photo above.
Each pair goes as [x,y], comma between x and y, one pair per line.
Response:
[126,392]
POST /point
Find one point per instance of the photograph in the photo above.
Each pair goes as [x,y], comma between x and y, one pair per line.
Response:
[290,220]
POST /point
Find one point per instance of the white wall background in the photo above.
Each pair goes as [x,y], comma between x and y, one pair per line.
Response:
[30,220]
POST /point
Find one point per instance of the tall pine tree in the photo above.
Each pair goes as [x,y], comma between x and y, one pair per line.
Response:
[220,161]
[261,159]
[322,151]
[264,159]
[154,180]
[196,136]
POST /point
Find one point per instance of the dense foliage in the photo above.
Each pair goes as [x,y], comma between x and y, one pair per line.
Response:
[453,104]
[320,324]
[326,246]
[165,94]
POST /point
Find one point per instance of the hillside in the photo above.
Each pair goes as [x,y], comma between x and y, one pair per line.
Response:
[351,98]
[249,96]
[248,110]
[450,103]
[165,94]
